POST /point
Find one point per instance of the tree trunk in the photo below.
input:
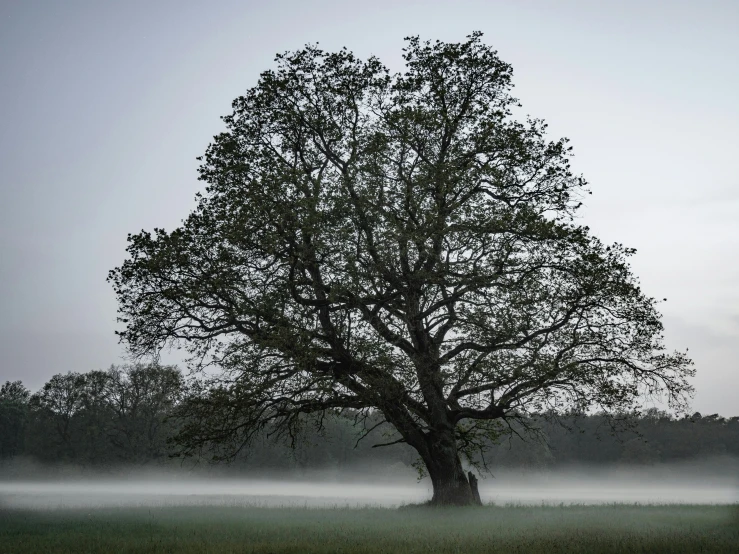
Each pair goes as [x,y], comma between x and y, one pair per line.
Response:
[475,489]
[452,486]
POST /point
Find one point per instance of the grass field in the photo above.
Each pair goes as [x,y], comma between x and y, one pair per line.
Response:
[525,529]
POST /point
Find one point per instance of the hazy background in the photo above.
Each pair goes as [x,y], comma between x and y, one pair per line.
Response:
[106,105]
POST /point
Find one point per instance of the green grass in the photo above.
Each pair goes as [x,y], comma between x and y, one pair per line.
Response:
[525,529]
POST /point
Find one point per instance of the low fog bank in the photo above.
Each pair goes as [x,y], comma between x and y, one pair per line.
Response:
[29,485]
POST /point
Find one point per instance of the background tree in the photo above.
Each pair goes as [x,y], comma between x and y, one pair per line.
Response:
[93,425]
[140,399]
[54,408]
[652,437]
[104,418]
[13,418]
[392,243]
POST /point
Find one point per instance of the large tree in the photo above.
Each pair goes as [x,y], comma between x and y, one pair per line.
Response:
[396,243]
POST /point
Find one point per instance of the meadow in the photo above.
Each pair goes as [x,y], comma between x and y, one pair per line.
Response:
[409,529]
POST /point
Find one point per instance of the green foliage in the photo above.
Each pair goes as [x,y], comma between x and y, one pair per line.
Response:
[397,243]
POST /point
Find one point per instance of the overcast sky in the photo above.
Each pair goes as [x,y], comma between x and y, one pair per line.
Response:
[105,106]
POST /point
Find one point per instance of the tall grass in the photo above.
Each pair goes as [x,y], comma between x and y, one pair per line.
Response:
[550,529]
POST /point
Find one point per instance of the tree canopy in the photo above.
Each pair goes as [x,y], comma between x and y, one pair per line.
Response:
[401,243]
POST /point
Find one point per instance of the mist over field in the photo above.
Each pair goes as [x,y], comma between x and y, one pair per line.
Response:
[710,481]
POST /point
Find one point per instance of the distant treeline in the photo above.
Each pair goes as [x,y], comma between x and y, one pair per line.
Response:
[122,416]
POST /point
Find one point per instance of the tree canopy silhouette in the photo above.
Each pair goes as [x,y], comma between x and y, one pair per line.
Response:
[398,243]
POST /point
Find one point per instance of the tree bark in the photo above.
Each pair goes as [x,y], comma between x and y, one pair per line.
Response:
[475,489]
[452,486]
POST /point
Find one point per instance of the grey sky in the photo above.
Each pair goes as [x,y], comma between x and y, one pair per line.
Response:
[105,106]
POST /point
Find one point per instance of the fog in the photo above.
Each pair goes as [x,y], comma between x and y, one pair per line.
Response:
[708,482]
